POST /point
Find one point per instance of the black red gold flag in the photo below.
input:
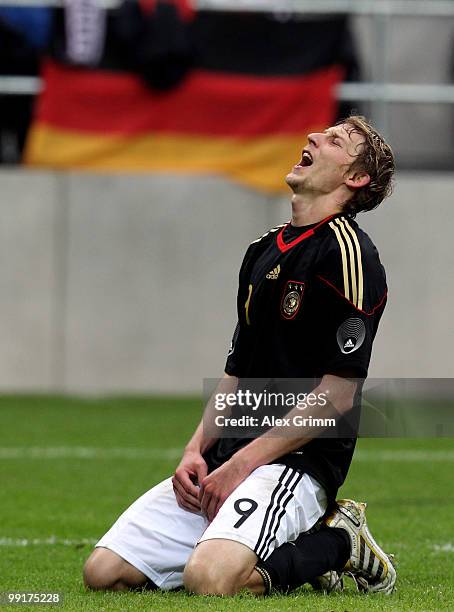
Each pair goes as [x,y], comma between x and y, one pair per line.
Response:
[232,94]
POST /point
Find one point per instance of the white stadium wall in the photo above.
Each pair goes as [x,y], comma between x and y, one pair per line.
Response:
[128,283]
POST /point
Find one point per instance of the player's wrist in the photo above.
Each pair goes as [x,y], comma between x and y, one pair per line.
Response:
[243,461]
[192,448]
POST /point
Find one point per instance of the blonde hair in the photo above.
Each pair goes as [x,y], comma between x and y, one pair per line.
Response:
[377,159]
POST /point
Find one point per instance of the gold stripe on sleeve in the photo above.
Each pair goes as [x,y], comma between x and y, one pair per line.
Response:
[351,260]
[360,264]
[344,259]
[246,305]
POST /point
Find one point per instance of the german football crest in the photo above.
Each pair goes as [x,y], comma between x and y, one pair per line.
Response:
[291,299]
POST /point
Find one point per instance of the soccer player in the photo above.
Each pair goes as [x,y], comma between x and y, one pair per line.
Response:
[244,513]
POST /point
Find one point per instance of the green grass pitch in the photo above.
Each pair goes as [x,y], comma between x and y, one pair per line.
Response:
[69,466]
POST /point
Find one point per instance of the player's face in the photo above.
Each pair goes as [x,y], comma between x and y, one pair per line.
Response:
[325,160]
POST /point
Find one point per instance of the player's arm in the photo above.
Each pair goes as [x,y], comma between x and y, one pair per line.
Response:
[192,468]
[277,442]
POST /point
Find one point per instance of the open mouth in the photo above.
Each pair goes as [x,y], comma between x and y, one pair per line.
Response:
[306,159]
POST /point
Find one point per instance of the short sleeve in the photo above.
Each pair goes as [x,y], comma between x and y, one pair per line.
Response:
[237,354]
[351,295]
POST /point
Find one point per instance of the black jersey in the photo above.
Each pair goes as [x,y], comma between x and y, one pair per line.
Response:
[309,303]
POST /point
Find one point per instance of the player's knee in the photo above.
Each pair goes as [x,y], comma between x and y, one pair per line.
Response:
[96,577]
[102,571]
[219,567]
[207,578]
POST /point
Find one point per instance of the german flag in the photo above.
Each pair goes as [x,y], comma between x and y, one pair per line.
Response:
[253,88]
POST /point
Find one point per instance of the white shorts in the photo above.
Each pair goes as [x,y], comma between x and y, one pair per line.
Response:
[272,506]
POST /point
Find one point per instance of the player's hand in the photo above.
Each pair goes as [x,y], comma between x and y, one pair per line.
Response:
[191,471]
[217,486]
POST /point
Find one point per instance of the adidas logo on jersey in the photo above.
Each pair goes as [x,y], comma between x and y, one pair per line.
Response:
[349,344]
[274,273]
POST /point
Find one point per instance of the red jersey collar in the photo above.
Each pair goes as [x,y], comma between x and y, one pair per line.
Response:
[283,246]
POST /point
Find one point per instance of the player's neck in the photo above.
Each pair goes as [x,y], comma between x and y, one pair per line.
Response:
[306,210]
